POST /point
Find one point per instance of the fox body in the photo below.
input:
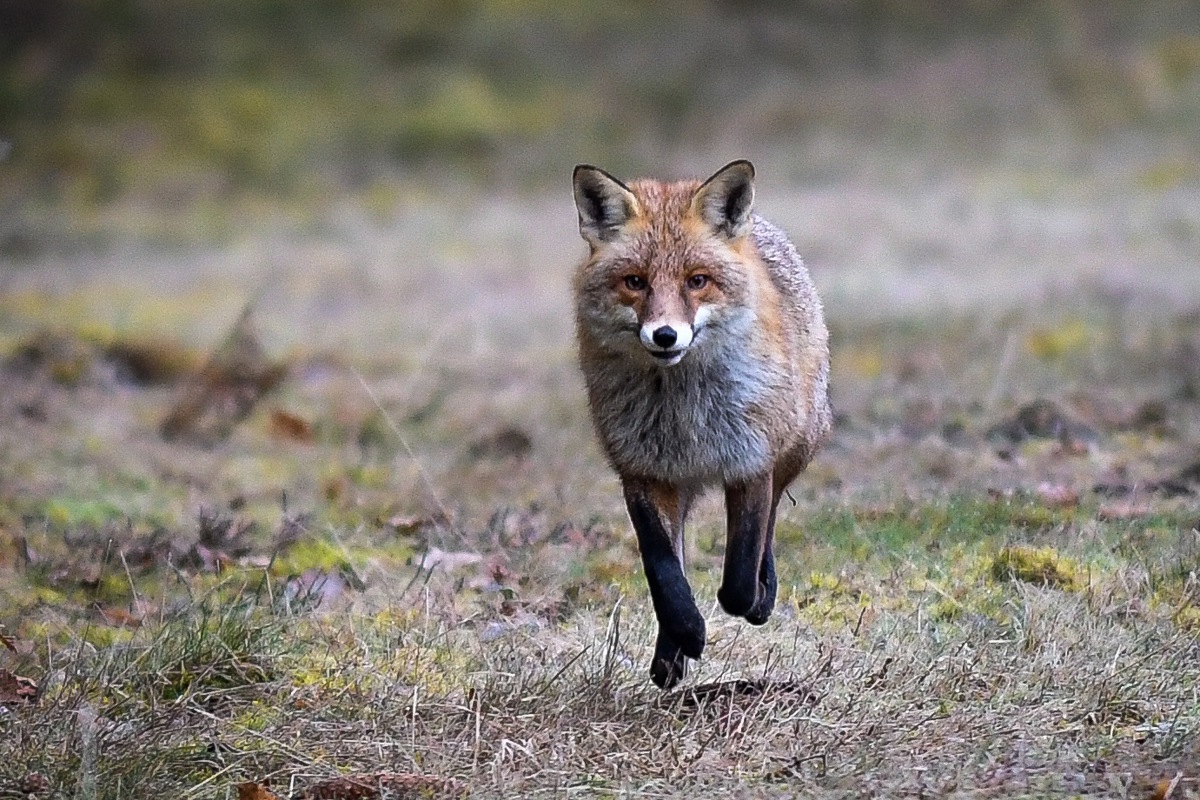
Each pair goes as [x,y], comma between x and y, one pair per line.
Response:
[705,354]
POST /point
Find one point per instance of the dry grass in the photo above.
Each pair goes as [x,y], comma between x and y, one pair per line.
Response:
[1061,693]
[432,574]
[960,613]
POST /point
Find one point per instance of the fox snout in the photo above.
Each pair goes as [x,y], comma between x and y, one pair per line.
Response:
[667,342]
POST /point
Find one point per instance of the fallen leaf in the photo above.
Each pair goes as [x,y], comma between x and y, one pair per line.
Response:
[1043,419]
[225,390]
[1165,788]
[15,690]
[150,362]
[392,785]
[255,791]
[34,783]
[118,617]
[410,524]
[285,425]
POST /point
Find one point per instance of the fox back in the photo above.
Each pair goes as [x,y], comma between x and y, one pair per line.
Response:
[701,337]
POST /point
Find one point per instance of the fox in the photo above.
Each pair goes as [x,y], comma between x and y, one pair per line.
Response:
[705,356]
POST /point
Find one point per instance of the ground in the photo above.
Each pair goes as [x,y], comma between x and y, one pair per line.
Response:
[375,537]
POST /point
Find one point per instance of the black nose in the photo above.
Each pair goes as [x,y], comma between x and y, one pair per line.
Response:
[664,336]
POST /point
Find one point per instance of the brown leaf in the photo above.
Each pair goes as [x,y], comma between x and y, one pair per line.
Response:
[285,425]
[393,785]
[255,791]
[118,617]
[1043,419]
[225,390]
[150,362]
[412,524]
[34,783]
[15,690]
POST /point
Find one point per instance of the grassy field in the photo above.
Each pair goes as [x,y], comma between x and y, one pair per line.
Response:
[410,557]
[406,571]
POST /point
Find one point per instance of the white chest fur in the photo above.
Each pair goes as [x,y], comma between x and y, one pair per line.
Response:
[693,422]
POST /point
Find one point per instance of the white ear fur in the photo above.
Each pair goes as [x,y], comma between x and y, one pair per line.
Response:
[725,200]
[604,203]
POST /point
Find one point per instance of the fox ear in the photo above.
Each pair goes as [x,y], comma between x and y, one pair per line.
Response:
[604,203]
[724,200]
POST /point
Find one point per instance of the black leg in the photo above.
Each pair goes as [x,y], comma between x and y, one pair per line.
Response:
[785,473]
[657,513]
[748,511]
[670,665]
[768,582]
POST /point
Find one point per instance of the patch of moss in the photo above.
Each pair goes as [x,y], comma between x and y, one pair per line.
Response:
[1188,619]
[1068,338]
[1040,566]
[311,554]
[945,610]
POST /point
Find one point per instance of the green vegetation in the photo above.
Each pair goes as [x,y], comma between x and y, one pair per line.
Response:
[399,554]
[172,121]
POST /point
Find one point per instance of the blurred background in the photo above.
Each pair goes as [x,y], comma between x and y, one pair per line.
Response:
[186,121]
[374,172]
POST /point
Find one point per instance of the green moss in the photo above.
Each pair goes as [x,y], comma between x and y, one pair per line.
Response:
[1041,566]
[311,554]
[257,716]
[104,636]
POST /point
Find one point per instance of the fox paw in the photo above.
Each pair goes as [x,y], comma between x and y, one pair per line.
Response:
[755,608]
[738,601]
[686,630]
[669,666]
[761,611]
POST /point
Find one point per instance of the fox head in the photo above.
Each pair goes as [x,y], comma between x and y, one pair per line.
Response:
[667,266]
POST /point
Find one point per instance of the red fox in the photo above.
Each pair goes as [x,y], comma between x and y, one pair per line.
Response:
[703,346]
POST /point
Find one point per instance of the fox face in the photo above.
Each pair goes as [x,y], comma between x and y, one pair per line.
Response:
[667,267]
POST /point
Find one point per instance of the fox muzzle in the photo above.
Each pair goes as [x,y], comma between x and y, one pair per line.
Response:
[666,342]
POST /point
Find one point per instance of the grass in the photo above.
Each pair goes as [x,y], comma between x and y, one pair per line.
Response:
[1058,691]
[952,640]
[410,559]
[458,597]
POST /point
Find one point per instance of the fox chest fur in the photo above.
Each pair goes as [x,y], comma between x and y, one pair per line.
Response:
[698,422]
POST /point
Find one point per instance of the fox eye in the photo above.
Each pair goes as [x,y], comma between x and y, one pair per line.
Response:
[697,281]
[635,283]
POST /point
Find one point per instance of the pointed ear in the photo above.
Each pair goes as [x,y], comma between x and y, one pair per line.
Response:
[604,203]
[725,199]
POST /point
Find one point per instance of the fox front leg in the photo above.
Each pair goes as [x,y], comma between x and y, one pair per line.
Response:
[657,512]
[748,585]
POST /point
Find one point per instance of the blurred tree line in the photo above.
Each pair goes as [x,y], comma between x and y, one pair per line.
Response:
[178,101]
